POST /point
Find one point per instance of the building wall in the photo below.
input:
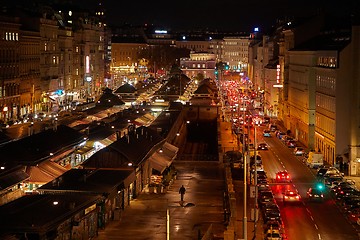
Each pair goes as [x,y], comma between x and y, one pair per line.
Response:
[301,96]
[325,123]
[30,90]
[9,69]
[236,52]
[197,46]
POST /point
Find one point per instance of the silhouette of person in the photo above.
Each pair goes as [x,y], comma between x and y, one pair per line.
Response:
[182,191]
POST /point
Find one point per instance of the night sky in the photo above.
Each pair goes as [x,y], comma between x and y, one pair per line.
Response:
[226,15]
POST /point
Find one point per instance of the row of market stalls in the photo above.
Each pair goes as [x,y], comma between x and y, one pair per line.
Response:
[58,163]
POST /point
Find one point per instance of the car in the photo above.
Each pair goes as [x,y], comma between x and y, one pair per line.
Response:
[280,134]
[252,159]
[265,197]
[263,188]
[272,224]
[291,196]
[282,176]
[291,143]
[346,191]
[325,171]
[354,216]
[350,203]
[257,167]
[267,133]
[273,235]
[333,180]
[299,151]
[262,146]
[315,194]
[271,211]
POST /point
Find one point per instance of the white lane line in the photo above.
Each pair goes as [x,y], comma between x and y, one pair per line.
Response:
[317,228]
[308,211]
[319,236]
[313,220]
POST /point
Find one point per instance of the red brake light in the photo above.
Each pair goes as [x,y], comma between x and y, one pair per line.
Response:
[287,176]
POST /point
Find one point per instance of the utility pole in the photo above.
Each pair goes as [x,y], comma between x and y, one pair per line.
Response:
[256,186]
[245,179]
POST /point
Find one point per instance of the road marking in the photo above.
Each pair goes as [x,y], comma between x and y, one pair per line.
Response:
[317,228]
[319,236]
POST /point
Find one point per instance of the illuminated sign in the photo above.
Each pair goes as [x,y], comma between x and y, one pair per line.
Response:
[161,31]
[278,73]
[90,209]
[278,85]
[87,64]
[88,79]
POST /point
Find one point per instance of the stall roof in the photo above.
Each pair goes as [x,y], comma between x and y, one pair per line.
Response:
[42,213]
[97,181]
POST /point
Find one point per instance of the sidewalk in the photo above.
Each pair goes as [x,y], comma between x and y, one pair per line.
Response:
[229,143]
[202,210]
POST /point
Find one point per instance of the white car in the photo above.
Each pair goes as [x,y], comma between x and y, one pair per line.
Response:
[299,151]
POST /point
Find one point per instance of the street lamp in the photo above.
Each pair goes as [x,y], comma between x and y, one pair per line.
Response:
[245,178]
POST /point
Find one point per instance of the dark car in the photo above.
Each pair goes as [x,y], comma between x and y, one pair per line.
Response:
[271,211]
[252,159]
[315,194]
[265,197]
[346,191]
[351,202]
[262,146]
[272,224]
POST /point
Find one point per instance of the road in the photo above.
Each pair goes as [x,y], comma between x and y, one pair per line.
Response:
[307,220]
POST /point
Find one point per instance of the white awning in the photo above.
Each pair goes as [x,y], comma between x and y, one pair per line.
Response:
[160,161]
[170,150]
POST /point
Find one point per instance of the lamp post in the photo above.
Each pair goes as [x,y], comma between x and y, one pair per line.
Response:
[245,178]
[256,185]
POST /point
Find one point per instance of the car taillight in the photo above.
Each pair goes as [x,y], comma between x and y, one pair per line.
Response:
[322,195]
[297,197]
[287,177]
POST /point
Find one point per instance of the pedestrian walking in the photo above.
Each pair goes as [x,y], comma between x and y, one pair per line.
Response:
[182,191]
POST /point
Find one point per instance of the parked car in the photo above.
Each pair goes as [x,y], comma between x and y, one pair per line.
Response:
[291,144]
[272,224]
[354,216]
[265,197]
[273,235]
[271,211]
[299,151]
[332,180]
